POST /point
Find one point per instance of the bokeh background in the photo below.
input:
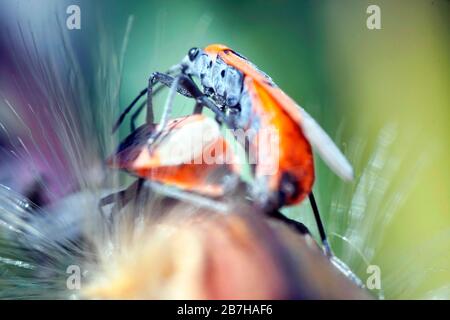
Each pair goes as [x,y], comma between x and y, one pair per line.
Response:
[383,95]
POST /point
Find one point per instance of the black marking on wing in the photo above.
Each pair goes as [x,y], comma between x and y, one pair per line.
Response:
[236,53]
[268,81]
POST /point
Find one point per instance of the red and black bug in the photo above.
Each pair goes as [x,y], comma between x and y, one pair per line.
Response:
[243,97]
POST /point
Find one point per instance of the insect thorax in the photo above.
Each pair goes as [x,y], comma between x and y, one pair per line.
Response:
[225,85]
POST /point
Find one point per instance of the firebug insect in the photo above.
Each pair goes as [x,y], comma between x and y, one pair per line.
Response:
[243,97]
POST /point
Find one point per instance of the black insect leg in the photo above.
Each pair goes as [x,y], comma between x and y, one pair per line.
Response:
[323,236]
[127,110]
[198,109]
[147,103]
[203,100]
[120,199]
[167,80]
[166,111]
[187,87]
[300,227]
[135,116]
[154,79]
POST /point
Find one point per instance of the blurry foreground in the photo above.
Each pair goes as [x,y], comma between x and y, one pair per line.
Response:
[187,253]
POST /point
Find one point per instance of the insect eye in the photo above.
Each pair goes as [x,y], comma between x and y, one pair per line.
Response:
[192,54]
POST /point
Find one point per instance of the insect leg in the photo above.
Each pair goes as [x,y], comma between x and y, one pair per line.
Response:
[166,111]
[341,266]
[198,109]
[155,78]
[120,199]
[203,100]
[173,84]
[127,110]
[167,80]
[168,105]
[148,103]
[187,87]
[323,236]
[300,227]
[135,115]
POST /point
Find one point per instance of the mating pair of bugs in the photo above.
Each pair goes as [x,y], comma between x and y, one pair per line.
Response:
[241,97]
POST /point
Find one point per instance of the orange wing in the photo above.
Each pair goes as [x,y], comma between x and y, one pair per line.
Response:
[328,151]
[291,155]
[231,58]
[171,161]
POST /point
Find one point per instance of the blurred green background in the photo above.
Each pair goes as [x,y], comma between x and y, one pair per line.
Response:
[385,90]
